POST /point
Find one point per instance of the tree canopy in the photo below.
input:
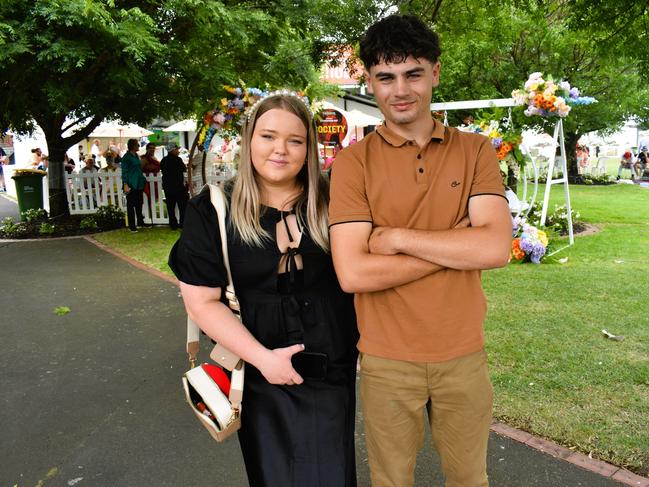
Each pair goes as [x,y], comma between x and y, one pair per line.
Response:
[490,48]
[67,65]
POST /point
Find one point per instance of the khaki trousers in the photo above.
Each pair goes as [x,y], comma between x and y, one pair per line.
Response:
[457,397]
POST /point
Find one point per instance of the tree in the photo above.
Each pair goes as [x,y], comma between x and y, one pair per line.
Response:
[68,65]
[489,49]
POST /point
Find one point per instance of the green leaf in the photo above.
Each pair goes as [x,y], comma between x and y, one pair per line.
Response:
[61,310]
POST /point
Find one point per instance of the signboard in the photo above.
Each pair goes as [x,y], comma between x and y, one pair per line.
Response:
[332,129]
[340,74]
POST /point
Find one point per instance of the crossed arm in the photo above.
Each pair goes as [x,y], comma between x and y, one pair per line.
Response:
[374,259]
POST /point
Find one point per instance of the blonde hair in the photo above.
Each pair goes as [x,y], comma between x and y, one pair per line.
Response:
[246,207]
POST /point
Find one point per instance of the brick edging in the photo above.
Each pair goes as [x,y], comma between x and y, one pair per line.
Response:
[602,468]
[584,461]
[132,261]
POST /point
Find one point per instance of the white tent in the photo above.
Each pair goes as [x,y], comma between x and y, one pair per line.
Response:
[182,126]
[116,129]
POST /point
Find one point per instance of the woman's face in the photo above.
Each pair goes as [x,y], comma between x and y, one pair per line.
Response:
[278,147]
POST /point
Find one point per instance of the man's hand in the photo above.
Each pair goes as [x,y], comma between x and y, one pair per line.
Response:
[381,241]
[463,223]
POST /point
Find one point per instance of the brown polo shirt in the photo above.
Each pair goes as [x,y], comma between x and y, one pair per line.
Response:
[390,181]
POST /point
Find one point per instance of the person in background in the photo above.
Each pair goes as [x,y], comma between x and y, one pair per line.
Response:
[173,183]
[90,182]
[37,158]
[89,166]
[133,185]
[641,162]
[583,158]
[95,150]
[111,167]
[114,147]
[150,167]
[3,162]
[110,162]
[68,164]
[626,162]
[417,211]
[298,329]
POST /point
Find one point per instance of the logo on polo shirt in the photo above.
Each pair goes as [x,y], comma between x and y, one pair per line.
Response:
[455,184]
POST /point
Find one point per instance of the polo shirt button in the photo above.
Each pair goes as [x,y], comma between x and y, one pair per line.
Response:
[421,170]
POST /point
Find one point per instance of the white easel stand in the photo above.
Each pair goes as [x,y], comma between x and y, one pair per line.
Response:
[563,166]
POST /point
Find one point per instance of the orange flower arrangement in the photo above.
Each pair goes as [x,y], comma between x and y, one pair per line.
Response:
[517,253]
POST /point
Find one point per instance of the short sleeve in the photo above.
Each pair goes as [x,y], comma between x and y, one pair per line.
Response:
[197,258]
[487,178]
[348,196]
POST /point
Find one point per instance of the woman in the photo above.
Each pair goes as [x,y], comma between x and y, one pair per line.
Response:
[151,167]
[297,428]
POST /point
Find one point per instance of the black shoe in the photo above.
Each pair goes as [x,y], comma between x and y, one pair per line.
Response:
[133,230]
[145,225]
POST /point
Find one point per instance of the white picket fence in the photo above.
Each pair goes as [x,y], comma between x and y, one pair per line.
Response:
[88,191]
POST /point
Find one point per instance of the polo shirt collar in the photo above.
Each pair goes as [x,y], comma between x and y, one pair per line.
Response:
[439,133]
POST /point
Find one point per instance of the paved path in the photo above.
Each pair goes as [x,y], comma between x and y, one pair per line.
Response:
[93,397]
[8,207]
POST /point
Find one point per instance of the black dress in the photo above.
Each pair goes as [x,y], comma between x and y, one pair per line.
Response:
[300,435]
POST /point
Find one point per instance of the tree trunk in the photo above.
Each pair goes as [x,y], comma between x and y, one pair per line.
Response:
[56,178]
[571,139]
[57,146]
[512,181]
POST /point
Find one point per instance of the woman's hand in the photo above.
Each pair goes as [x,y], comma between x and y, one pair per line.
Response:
[277,368]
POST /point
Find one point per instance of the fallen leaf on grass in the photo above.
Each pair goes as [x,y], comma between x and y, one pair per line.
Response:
[611,336]
[61,310]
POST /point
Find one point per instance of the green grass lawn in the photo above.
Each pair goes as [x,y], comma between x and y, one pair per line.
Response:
[554,373]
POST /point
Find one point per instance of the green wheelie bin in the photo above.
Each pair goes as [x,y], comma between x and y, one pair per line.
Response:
[29,189]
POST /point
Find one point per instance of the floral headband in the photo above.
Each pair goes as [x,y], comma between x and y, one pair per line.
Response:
[294,94]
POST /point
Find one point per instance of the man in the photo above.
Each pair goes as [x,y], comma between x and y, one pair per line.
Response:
[95,152]
[173,184]
[641,162]
[626,162]
[401,203]
[133,182]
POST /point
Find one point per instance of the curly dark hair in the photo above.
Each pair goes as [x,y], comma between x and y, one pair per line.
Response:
[395,38]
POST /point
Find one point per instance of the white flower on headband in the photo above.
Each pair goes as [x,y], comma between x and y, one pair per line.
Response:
[293,94]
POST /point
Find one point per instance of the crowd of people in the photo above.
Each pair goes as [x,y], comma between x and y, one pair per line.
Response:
[134,167]
[134,184]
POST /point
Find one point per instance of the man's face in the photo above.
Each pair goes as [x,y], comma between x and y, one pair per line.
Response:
[403,90]
[150,149]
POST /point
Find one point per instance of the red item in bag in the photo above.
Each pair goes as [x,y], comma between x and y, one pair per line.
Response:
[217,374]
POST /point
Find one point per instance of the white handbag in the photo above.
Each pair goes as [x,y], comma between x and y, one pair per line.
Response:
[214,399]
